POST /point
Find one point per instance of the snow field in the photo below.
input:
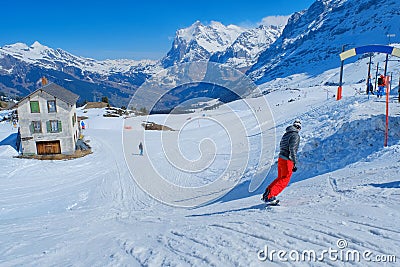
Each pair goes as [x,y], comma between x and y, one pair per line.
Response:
[91,212]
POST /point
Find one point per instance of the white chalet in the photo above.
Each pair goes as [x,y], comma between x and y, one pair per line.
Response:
[48,122]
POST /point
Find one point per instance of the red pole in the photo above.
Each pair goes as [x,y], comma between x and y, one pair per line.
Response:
[387,81]
[339,93]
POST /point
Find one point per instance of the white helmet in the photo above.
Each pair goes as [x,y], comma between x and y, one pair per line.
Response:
[297,124]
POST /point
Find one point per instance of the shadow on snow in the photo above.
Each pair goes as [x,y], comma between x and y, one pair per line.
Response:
[254,207]
[395,184]
[354,141]
[10,140]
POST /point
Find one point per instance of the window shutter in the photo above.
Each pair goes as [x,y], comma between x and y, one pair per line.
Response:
[48,126]
[34,106]
[32,128]
[59,127]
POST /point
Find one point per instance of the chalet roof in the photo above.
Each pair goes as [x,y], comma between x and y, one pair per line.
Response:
[61,93]
[58,92]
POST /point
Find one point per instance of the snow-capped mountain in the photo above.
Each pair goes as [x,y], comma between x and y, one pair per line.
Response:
[244,51]
[313,39]
[21,66]
[199,42]
[309,44]
[45,57]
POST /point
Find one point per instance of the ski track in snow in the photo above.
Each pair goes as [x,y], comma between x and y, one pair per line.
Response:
[90,211]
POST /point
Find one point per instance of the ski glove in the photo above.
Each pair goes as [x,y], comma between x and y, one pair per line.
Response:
[294,169]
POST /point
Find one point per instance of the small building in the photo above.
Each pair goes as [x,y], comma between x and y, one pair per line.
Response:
[48,122]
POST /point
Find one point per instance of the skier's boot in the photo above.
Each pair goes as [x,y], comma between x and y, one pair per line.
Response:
[272,201]
[265,195]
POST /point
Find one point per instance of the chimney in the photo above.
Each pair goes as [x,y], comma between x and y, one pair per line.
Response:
[44,81]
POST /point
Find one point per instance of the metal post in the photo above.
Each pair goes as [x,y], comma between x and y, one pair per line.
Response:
[387,82]
[376,76]
[386,63]
[369,73]
[339,91]
[390,86]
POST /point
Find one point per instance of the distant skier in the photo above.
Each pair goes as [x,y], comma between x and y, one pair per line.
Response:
[370,87]
[286,163]
[141,149]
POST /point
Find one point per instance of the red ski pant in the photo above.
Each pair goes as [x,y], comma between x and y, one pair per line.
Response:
[285,170]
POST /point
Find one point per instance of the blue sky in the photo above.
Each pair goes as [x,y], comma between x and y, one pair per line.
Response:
[123,28]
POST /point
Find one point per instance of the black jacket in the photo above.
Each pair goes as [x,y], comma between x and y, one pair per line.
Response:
[290,144]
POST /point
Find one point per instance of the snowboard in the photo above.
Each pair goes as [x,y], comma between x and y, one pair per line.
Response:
[273,203]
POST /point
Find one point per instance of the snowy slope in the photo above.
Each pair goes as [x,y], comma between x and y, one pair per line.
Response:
[354,75]
[91,212]
[312,38]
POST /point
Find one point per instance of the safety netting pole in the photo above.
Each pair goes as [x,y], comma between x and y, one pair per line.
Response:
[387,82]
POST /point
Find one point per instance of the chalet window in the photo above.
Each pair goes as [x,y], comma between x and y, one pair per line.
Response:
[36,127]
[51,106]
[54,126]
[34,106]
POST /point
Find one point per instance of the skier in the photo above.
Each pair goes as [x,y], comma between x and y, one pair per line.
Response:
[370,87]
[286,163]
[141,149]
[381,86]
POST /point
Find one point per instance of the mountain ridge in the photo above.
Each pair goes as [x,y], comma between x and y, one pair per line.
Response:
[308,44]
[313,39]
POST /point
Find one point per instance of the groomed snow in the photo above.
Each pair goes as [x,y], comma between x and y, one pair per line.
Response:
[90,211]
